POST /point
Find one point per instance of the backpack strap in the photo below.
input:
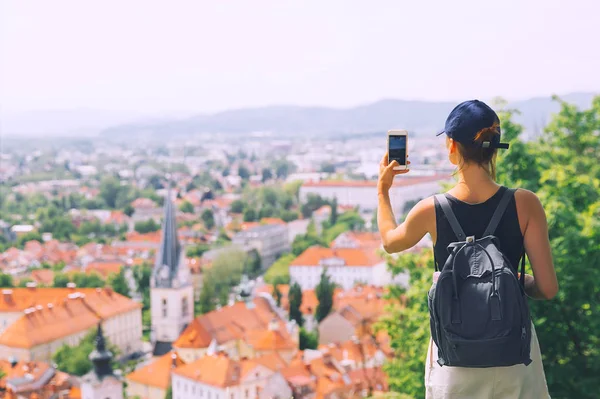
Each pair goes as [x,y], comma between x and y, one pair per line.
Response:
[500,209]
[443,201]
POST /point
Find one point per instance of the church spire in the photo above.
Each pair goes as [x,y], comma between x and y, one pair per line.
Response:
[101,357]
[167,261]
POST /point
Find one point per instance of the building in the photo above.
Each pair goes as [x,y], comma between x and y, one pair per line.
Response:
[171,288]
[101,383]
[364,193]
[220,377]
[24,379]
[152,380]
[346,267]
[243,329]
[37,321]
[270,240]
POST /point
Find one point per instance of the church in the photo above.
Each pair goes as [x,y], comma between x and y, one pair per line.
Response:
[171,288]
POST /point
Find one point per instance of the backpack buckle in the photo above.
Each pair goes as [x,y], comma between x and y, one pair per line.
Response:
[470,239]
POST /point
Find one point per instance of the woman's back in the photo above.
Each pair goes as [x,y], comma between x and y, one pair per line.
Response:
[474,218]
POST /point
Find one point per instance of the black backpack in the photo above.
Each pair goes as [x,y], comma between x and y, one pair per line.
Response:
[479,316]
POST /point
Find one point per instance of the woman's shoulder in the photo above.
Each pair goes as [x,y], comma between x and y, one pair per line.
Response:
[526,197]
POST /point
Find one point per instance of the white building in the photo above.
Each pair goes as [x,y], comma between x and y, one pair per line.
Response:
[364,193]
[345,266]
[101,383]
[270,240]
[171,287]
[219,377]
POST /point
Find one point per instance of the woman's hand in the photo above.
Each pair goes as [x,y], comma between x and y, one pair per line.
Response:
[387,173]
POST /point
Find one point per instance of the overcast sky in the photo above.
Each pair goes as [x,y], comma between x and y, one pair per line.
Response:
[164,56]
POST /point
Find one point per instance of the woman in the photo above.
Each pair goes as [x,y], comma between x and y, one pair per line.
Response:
[472,139]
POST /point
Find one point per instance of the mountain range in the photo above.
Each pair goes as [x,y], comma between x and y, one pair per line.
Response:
[415,116]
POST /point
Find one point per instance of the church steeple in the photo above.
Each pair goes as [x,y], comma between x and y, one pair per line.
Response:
[168,259]
[101,357]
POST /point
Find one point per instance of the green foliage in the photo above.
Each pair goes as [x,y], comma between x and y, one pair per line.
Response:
[277,294]
[288,216]
[141,275]
[324,291]
[23,282]
[84,280]
[118,283]
[266,175]
[243,172]
[60,280]
[109,189]
[147,227]
[295,301]
[32,236]
[283,168]
[253,264]
[128,210]
[237,206]
[563,168]
[208,218]
[313,202]
[75,359]
[333,216]
[197,251]
[250,215]
[186,207]
[408,326]
[328,168]
[280,270]
[6,281]
[308,340]
[225,273]
[169,393]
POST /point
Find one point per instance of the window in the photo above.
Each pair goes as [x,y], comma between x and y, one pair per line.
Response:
[184,306]
[164,307]
[246,393]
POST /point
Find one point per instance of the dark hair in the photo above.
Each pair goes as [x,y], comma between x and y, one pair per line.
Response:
[484,157]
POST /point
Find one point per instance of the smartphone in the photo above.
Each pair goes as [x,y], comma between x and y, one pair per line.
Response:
[398,147]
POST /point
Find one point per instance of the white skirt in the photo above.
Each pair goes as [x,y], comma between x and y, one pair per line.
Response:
[514,382]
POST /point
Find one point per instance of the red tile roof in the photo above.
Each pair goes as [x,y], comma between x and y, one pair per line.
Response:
[158,372]
[351,256]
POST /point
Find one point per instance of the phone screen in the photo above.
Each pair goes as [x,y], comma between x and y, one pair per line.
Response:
[397,150]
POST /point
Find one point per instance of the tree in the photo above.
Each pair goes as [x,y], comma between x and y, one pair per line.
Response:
[333,216]
[288,216]
[60,280]
[253,264]
[128,210]
[109,189]
[169,393]
[250,215]
[324,292]
[141,275]
[118,282]
[328,168]
[277,294]
[6,281]
[207,294]
[186,207]
[266,175]
[208,218]
[23,282]
[243,172]
[84,280]
[408,325]
[148,226]
[308,340]
[197,251]
[280,270]
[25,238]
[295,301]
[75,359]
[237,206]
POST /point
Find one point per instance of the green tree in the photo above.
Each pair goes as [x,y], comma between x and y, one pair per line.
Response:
[186,207]
[324,292]
[128,210]
[277,294]
[23,282]
[308,340]
[118,282]
[253,264]
[408,325]
[328,168]
[197,250]
[280,270]
[333,216]
[206,302]
[243,172]
[6,281]
[169,393]
[84,280]
[288,216]
[250,215]
[266,175]
[148,226]
[141,275]
[25,238]
[295,301]
[75,359]
[109,189]
[237,206]
[208,218]
[60,280]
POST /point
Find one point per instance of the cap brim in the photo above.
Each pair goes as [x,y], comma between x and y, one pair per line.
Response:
[440,133]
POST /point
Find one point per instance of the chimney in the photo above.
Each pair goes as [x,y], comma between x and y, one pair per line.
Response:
[31,285]
[13,362]
[71,286]
[173,360]
[273,325]
[7,295]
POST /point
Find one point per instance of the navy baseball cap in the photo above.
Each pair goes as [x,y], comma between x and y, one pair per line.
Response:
[469,118]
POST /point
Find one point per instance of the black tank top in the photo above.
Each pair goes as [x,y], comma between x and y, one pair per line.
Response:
[474,219]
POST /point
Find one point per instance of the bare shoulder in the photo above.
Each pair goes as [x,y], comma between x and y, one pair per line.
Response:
[527,199]
[425,206]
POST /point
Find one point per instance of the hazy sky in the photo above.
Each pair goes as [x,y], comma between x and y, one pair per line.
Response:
[157,56]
